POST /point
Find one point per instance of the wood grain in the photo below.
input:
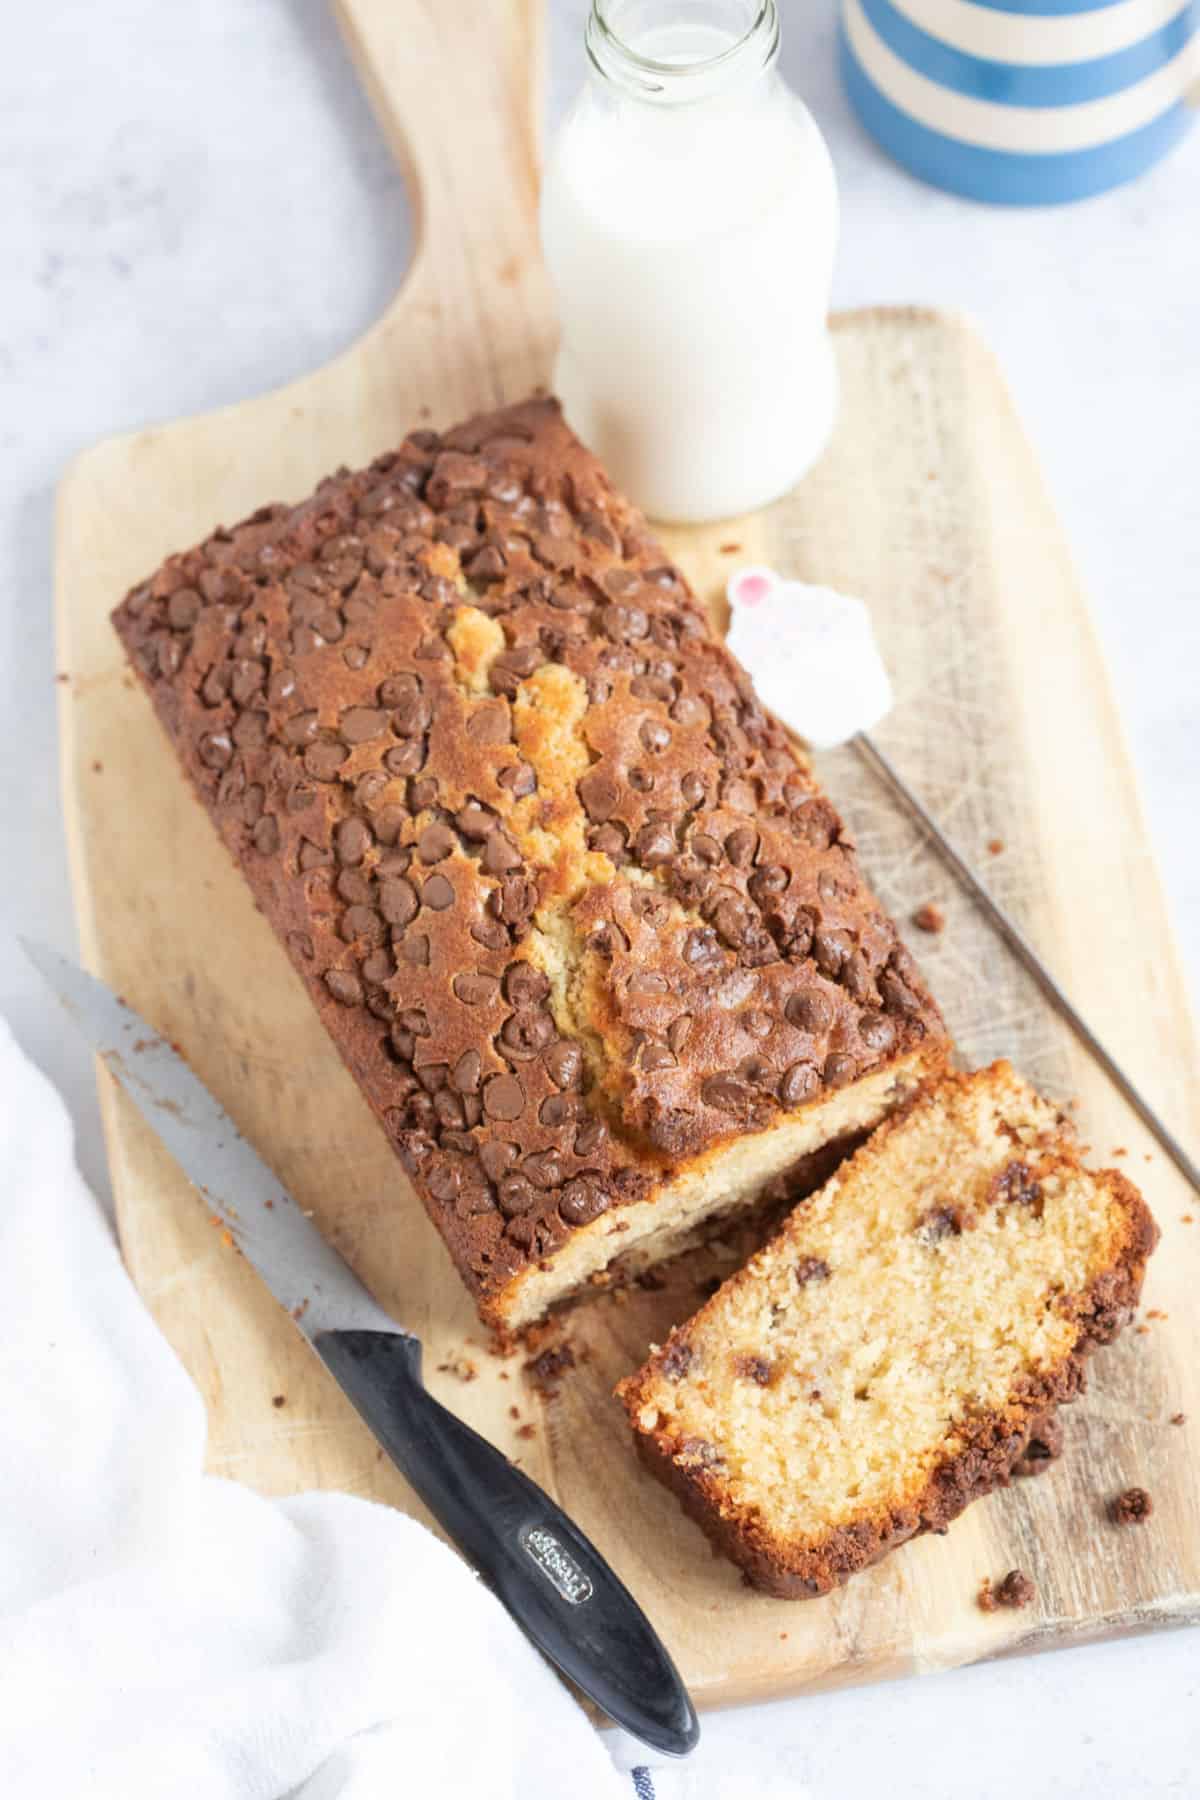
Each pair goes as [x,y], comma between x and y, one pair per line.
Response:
[929,504]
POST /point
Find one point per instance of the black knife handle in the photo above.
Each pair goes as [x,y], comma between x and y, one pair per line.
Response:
[553,1581]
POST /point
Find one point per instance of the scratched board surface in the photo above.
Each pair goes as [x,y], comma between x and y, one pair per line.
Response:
[930,505]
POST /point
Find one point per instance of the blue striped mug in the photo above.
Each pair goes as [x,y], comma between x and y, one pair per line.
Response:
[1023,102]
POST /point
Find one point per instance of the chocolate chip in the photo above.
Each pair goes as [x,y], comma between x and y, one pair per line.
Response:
[741,845]
[397,900]
[810,1010]
[897,996]
[352,840]
[467,1071]
[656,1056]
[589,1137]
[358,724]
[678,1032]
[490,933]
[490,724]
[362,924]
[519,779]
[414,948]
[183,609]
[611,841]
[524,985]
[1015,1185]
[405,759]
[378,966]
[831,949]
[312,856]
[799,1083]
[654,845]
[655,736]
[354,887]
[443,1179]
[811,1268]
[582,1200]
[246,678]
[475,822]
[322,760]
[525,1035]
[678,1357]
[301,945]
[693,790]
[496,1157]
[266,835]
[435,843]
[564,1063]
[724,1093]
[938,1223]
[438,893]
[515,1194]
[500,854]
[600,793]
[487,564]
[411,710]
[215,750]
[839,1070]
[344,987]
[702,950]
[356,656]
[503,1097]
[423,794]
[877,1032]
[754,1368]
[544,1169]
[475,990]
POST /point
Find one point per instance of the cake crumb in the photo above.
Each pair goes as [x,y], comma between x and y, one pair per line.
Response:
[97,768]
[1186,1219]
[62,676]
[929,917]
[731,549]
[1155,1312]
[1133,1507]
[526,1431]
[1178,1418]
[1014,1592]
[783,1637]
[461,1366]
[1120,1151]
[545,1369]
[995,846]
[514,1412]
[279,1400]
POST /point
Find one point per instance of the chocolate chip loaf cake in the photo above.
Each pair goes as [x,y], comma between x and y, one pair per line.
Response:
[572,907]
[889,1355]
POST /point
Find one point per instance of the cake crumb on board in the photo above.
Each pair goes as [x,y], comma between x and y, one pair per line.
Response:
[930,918]
[1133,1507]
[1013,1593]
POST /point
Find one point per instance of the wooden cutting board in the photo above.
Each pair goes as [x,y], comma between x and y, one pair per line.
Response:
[929,503]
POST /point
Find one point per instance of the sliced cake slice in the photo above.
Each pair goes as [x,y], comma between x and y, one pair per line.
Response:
[884,1360]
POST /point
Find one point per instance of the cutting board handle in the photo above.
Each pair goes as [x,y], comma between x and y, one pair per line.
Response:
[458,89]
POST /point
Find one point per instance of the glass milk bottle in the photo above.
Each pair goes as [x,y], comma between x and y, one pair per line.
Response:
[689,221]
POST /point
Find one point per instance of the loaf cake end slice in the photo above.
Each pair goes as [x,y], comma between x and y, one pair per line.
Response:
[884,1359]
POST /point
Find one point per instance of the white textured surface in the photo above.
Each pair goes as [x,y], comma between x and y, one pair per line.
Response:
[195,205]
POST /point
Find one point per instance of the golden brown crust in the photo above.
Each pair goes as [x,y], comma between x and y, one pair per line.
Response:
[996,1441]
[456,717]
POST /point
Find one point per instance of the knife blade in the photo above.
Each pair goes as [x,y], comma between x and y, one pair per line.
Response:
[552,1579]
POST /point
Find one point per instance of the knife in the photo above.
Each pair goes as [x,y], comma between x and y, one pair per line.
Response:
[552,1579]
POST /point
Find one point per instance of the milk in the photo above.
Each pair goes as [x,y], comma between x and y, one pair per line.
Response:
[689,220]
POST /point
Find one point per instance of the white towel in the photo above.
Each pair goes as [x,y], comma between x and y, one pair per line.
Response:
[166,1633]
